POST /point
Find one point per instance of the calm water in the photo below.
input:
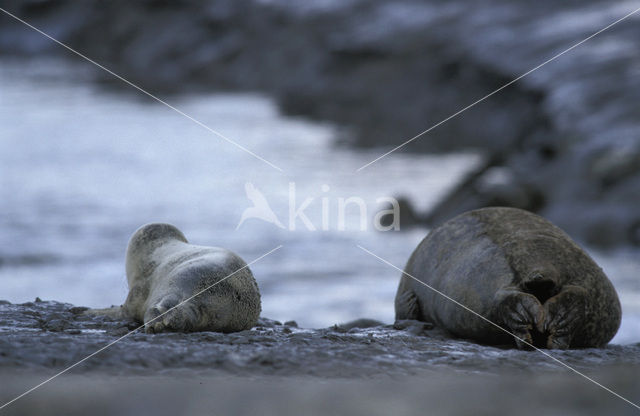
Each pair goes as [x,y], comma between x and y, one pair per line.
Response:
[81,169]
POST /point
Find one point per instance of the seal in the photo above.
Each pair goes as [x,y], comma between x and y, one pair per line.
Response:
[517,270]
[163,270]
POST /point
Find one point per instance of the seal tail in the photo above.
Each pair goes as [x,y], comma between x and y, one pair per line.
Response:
[540,286]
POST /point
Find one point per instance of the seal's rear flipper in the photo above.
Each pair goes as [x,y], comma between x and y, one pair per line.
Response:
[406,304]
[520,314]
[565,315]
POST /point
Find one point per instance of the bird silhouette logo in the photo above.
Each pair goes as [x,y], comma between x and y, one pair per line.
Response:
[260,209]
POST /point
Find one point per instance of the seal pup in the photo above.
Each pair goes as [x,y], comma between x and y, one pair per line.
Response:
[163,269]
[516,269]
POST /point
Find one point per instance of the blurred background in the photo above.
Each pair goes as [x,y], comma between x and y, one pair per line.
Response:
[318,89]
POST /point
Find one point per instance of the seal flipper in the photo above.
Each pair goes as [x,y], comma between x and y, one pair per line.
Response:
[171,315]
[406,303]
[157,317]
[565,315]
[521,314]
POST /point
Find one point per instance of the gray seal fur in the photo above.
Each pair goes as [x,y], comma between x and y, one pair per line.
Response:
[516,269]
[163,269]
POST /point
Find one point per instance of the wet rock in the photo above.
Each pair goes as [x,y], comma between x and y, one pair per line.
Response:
[412,325]
[615,163]
[490,186]
[55,325]
[399,349]
[77,310]
[361,323]
[267,323]
[501,187]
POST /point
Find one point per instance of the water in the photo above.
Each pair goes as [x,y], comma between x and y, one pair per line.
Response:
[82,168]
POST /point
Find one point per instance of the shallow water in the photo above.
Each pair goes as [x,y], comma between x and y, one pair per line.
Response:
[81,168]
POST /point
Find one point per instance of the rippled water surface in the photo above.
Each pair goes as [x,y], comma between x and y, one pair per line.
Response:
[81,168]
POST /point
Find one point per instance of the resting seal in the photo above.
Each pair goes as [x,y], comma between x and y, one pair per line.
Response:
[519,271]
[163,269]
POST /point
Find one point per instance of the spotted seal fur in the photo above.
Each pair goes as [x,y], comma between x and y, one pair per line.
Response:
[163,269]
